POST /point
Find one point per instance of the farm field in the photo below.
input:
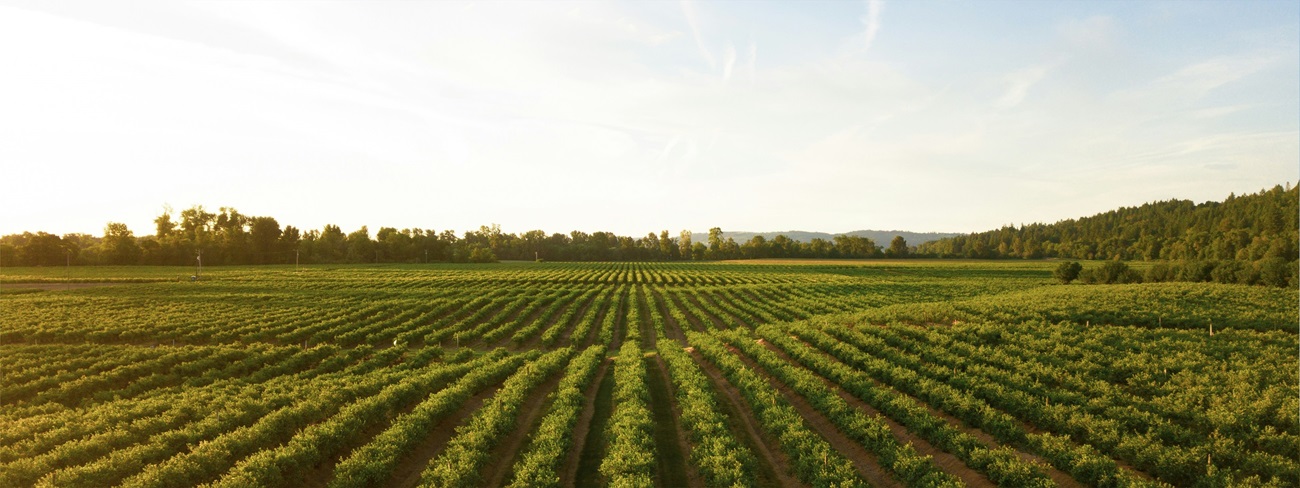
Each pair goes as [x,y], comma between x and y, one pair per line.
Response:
[775,373]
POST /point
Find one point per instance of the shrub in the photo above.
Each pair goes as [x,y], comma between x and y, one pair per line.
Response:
[1110,273]
[1067,272]
[1275,271]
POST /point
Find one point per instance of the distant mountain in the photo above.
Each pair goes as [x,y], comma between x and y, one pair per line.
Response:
[880,237]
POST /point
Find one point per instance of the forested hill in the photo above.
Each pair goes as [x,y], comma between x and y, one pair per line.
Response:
[1248,228]
[878,236]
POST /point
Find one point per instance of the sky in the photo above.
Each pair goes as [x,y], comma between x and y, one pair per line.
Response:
[635,117]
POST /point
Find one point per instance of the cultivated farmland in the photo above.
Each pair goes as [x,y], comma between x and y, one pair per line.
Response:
[905,373]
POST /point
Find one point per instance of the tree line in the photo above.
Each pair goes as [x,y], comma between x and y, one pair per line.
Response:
[228,237]
[1243,228]
[1249,229]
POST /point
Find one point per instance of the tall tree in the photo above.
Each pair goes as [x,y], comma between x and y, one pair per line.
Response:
[360,249]
[715,241]
[44,249]
[264,237]
[667,248]
[897,247]
[119,244]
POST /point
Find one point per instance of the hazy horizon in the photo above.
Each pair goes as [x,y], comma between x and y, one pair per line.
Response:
[638,117]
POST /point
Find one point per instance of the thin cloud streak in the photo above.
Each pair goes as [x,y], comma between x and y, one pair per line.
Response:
[688,9]
[872,22]
[1019,84]
[730,62]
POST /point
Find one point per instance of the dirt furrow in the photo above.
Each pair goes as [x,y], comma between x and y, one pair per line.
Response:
[672,464]
[697,324]
[864,461]
[672,329]
[503,456]
[944,460]
[774,466]
[408,471]
[718,322]
[1061,478]
[582,430]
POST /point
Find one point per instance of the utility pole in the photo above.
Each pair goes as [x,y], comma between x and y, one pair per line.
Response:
[295,260]
[198,270]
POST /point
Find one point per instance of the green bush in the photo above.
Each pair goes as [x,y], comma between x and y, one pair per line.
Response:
[1067,272]
[1110,273]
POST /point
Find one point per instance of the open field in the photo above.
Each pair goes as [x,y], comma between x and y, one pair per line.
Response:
[767,373]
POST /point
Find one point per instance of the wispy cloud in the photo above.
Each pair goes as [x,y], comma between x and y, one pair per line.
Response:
[729,61]
[688,9]
[872,22]
[1019,83]
[1197,80]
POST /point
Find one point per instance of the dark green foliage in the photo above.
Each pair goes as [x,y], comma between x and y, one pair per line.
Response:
[1269,271]
[1247,228]
[1277,272]
[1110,273]
[1067,272]
[897,248]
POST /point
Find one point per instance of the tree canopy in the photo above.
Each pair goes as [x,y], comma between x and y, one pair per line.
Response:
[1244,228]
[228,237]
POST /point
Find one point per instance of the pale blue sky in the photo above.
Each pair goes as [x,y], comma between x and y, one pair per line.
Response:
[640,116]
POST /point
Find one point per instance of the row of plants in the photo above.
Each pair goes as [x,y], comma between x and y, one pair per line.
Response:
[901,460]
[814,460]
[722,460]
[373,463]
[539,464]
[630,455]
[1000,464]
[320,442]
[461,462]
[1153,443]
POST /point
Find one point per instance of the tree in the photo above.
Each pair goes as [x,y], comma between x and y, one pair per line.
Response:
[651,244]
[163,225]
[232,237]
[715,242]
[897,247]
[667,248]
[331,245]
[360,249]
[684,245]
[290,241]
[698,250]
[1067,272]
[482,255]
[1275,271]
[855,247]
[119,244]
[263,236]
[44,249]
[756,247]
